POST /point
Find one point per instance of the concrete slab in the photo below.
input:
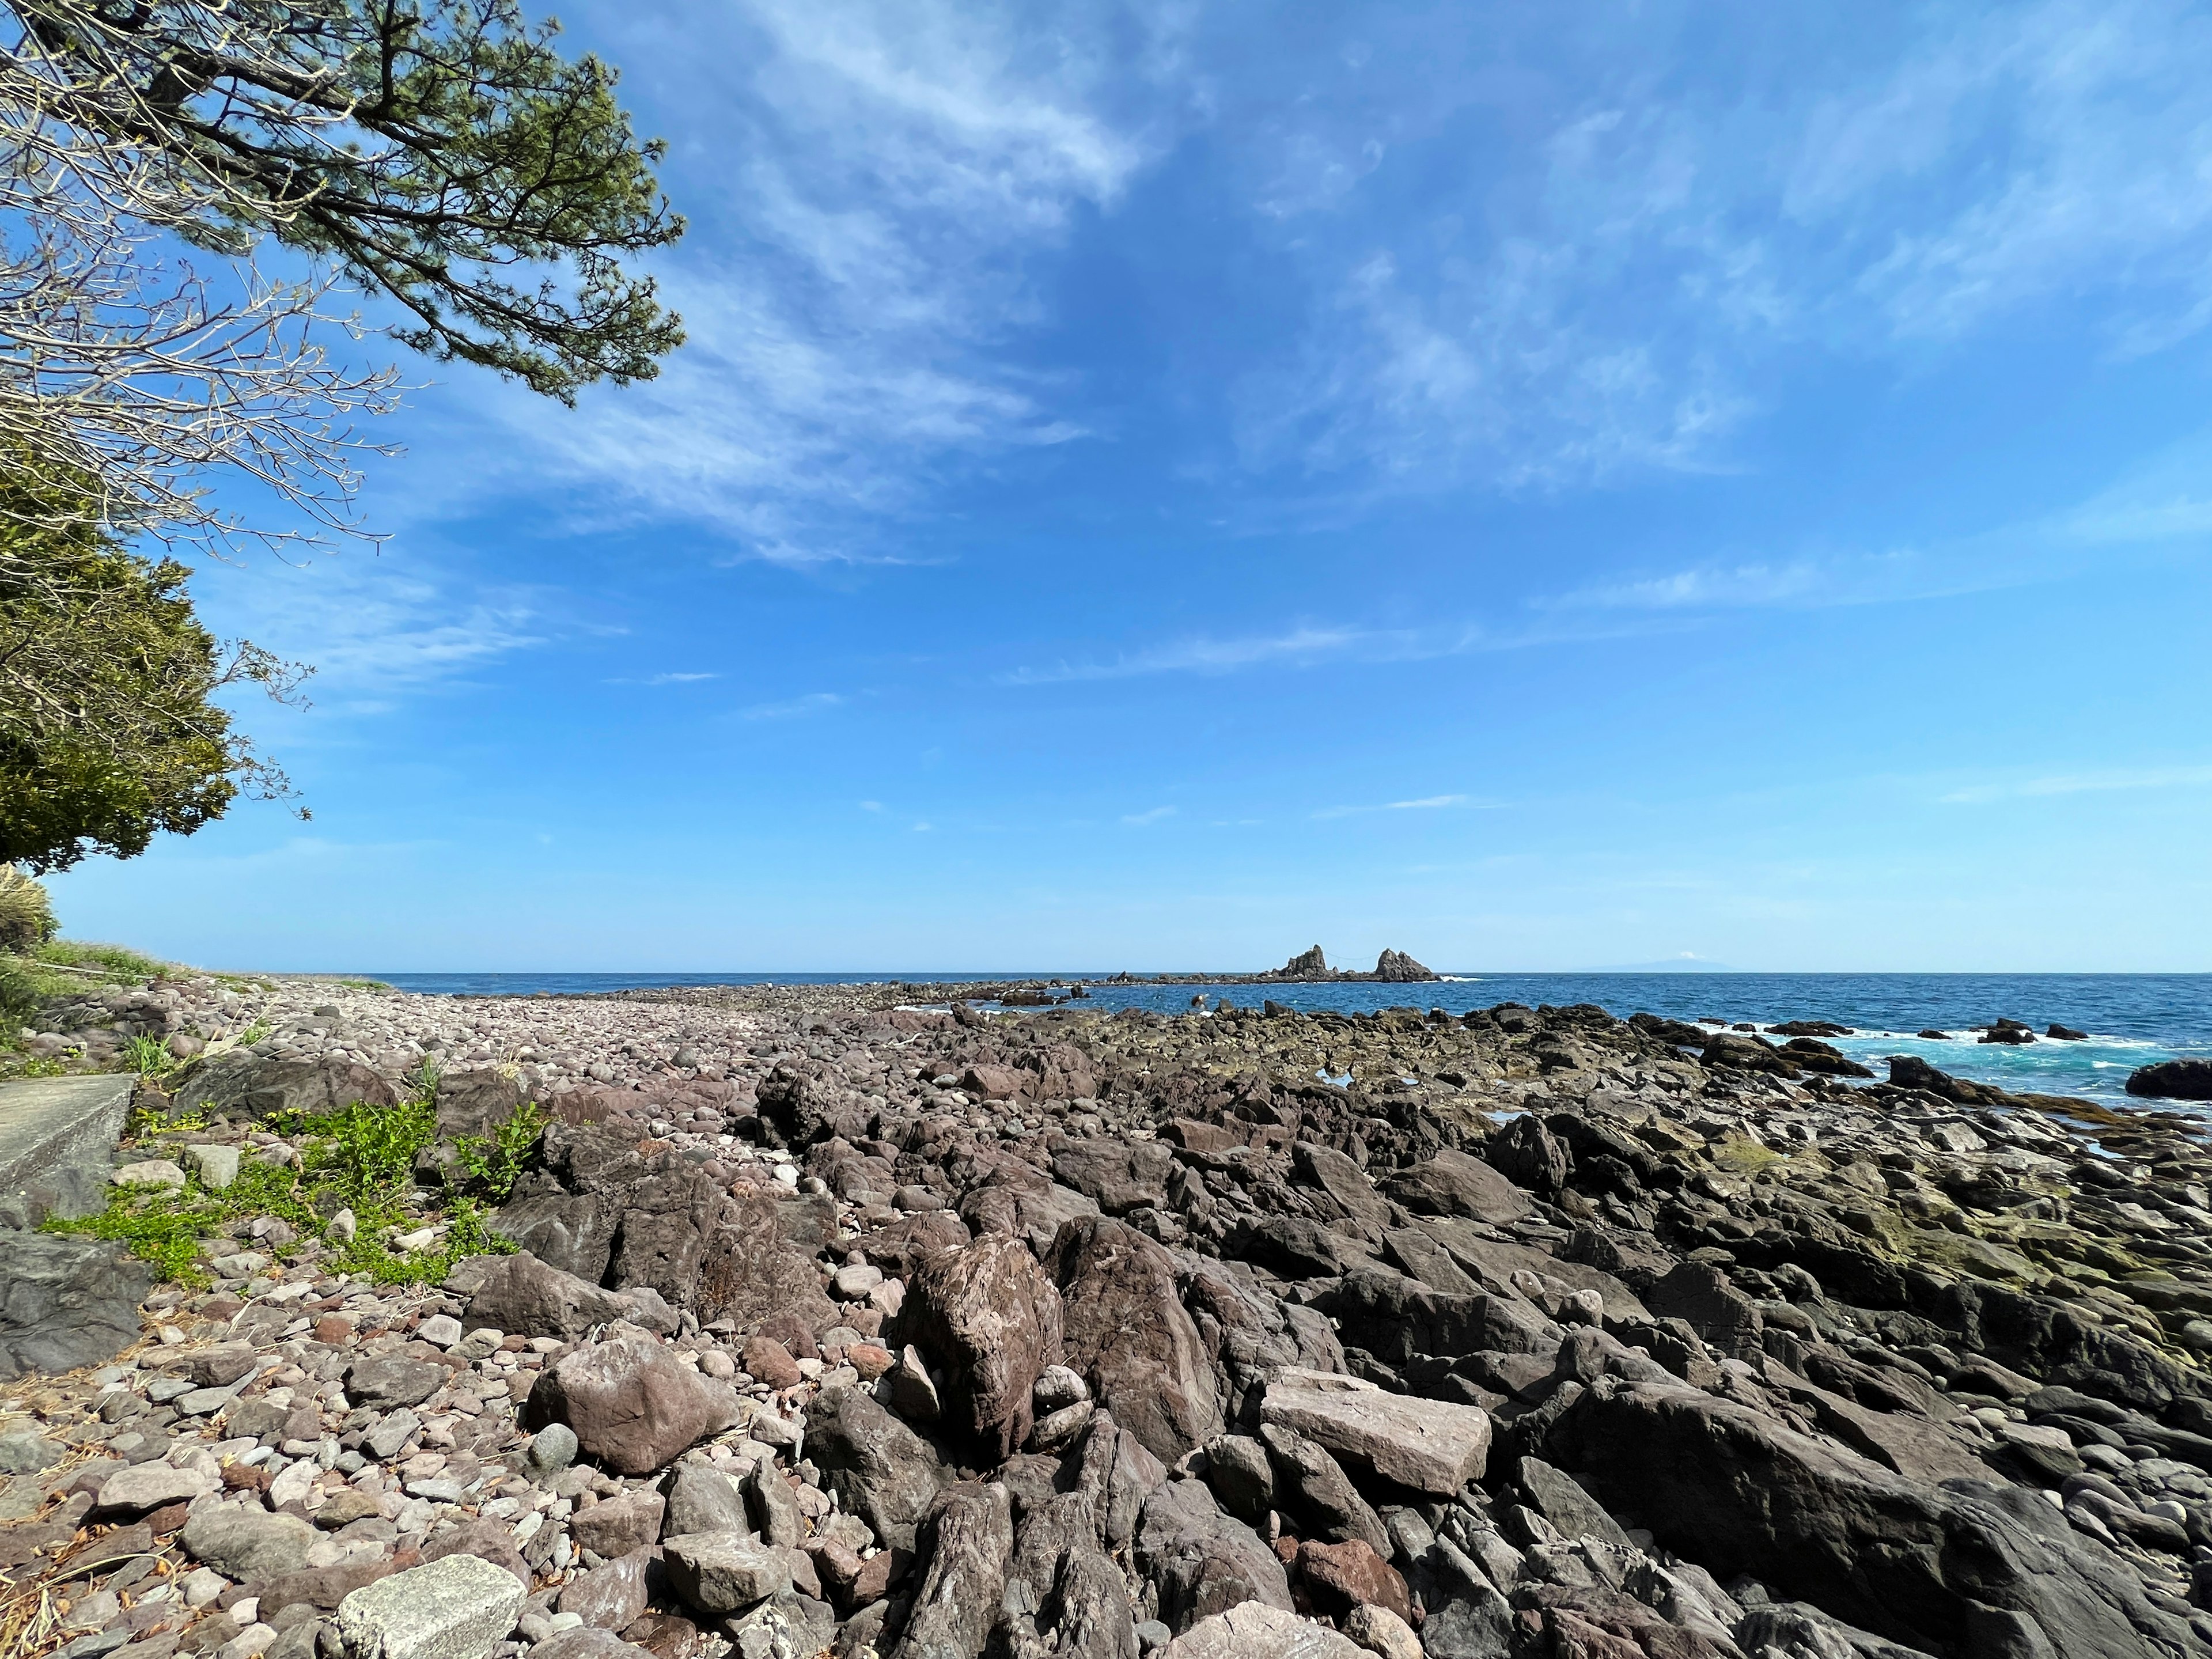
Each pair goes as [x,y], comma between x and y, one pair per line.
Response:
[56,1135]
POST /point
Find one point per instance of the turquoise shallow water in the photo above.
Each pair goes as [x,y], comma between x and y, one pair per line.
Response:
[2133,1019]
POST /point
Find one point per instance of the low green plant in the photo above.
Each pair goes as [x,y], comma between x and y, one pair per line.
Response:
[257,1032]
[148,1056]
[147,1121]
[360,1159]
[494,1162]
[38,1066]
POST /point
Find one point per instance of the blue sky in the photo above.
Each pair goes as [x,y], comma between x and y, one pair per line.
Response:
[1534,486]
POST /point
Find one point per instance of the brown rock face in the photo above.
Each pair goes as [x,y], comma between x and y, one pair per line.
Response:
[990,1316]
[521,1294]
[1128,1333]
[1341,1576]
[631,1406]
[771,1363]
[1452,1184]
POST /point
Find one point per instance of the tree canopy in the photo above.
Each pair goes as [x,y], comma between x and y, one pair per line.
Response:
[429,148]
[108,732]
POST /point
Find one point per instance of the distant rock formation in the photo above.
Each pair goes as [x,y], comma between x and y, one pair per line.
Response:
[1391,968]
[1396,968]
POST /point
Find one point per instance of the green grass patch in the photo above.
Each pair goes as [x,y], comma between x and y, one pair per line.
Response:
[114,961]
[360,1159]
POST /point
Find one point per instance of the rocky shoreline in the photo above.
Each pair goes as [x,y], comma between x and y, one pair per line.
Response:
[841,1325]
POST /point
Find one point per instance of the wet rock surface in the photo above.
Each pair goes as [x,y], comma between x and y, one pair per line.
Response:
[843,1325]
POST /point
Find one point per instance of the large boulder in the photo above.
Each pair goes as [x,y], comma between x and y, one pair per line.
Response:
[476,1102]
[1118,1176]
[991,1317]
[799,1103]
[1254,1630]
[1202,1562]
[964,1542]
[2173,1079]
[65,1303]
[593,1205]
[879,1469]
[1931,1566]
[1127,1331]
[1115,1475]
[243,1083]
[1428,1445]
[1312,1490]
[631,1405]
[1395,1318]
[1346,1193]
[522,1296]
[1451,1183]
[1062,1595]
[1250,1334]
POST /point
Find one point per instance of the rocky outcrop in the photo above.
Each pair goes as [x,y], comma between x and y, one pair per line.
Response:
[1127,1331]
[990,1316]
[66,1303]
[1396,968]
[2172,1079]
[1534,1331]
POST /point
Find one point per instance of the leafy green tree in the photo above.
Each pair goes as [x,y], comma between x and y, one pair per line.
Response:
[108,732]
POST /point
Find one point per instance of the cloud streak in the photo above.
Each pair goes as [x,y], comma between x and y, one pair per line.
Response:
[2083,783]
[1425,804]
[814,702]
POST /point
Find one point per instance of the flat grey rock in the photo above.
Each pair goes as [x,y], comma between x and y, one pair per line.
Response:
[456,1608]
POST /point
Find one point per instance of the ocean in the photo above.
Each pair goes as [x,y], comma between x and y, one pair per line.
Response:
[2132,1019]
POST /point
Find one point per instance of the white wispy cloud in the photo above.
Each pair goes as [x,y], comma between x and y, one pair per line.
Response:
[874,177]
[375,629]
[1203,655]
[1608,292]
[1154,816]
[814,702]
[664,679]
[1426,803]
[2079,783]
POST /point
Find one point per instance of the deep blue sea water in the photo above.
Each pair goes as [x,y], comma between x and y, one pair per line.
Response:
[2132,1018]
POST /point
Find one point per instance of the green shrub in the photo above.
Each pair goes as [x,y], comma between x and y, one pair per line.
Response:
[27,915]
[360,1159]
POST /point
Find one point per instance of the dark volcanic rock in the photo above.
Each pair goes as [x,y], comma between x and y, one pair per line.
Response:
[2173,1079]
[964,1541]
[991,1317]
[631,1405]
[254,1085]
[66,1303]
[1202,1562]
[1452,1184]
[1127,1331]
[881,1469]
[521,1294]
[1396,968]
[1742,1493]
